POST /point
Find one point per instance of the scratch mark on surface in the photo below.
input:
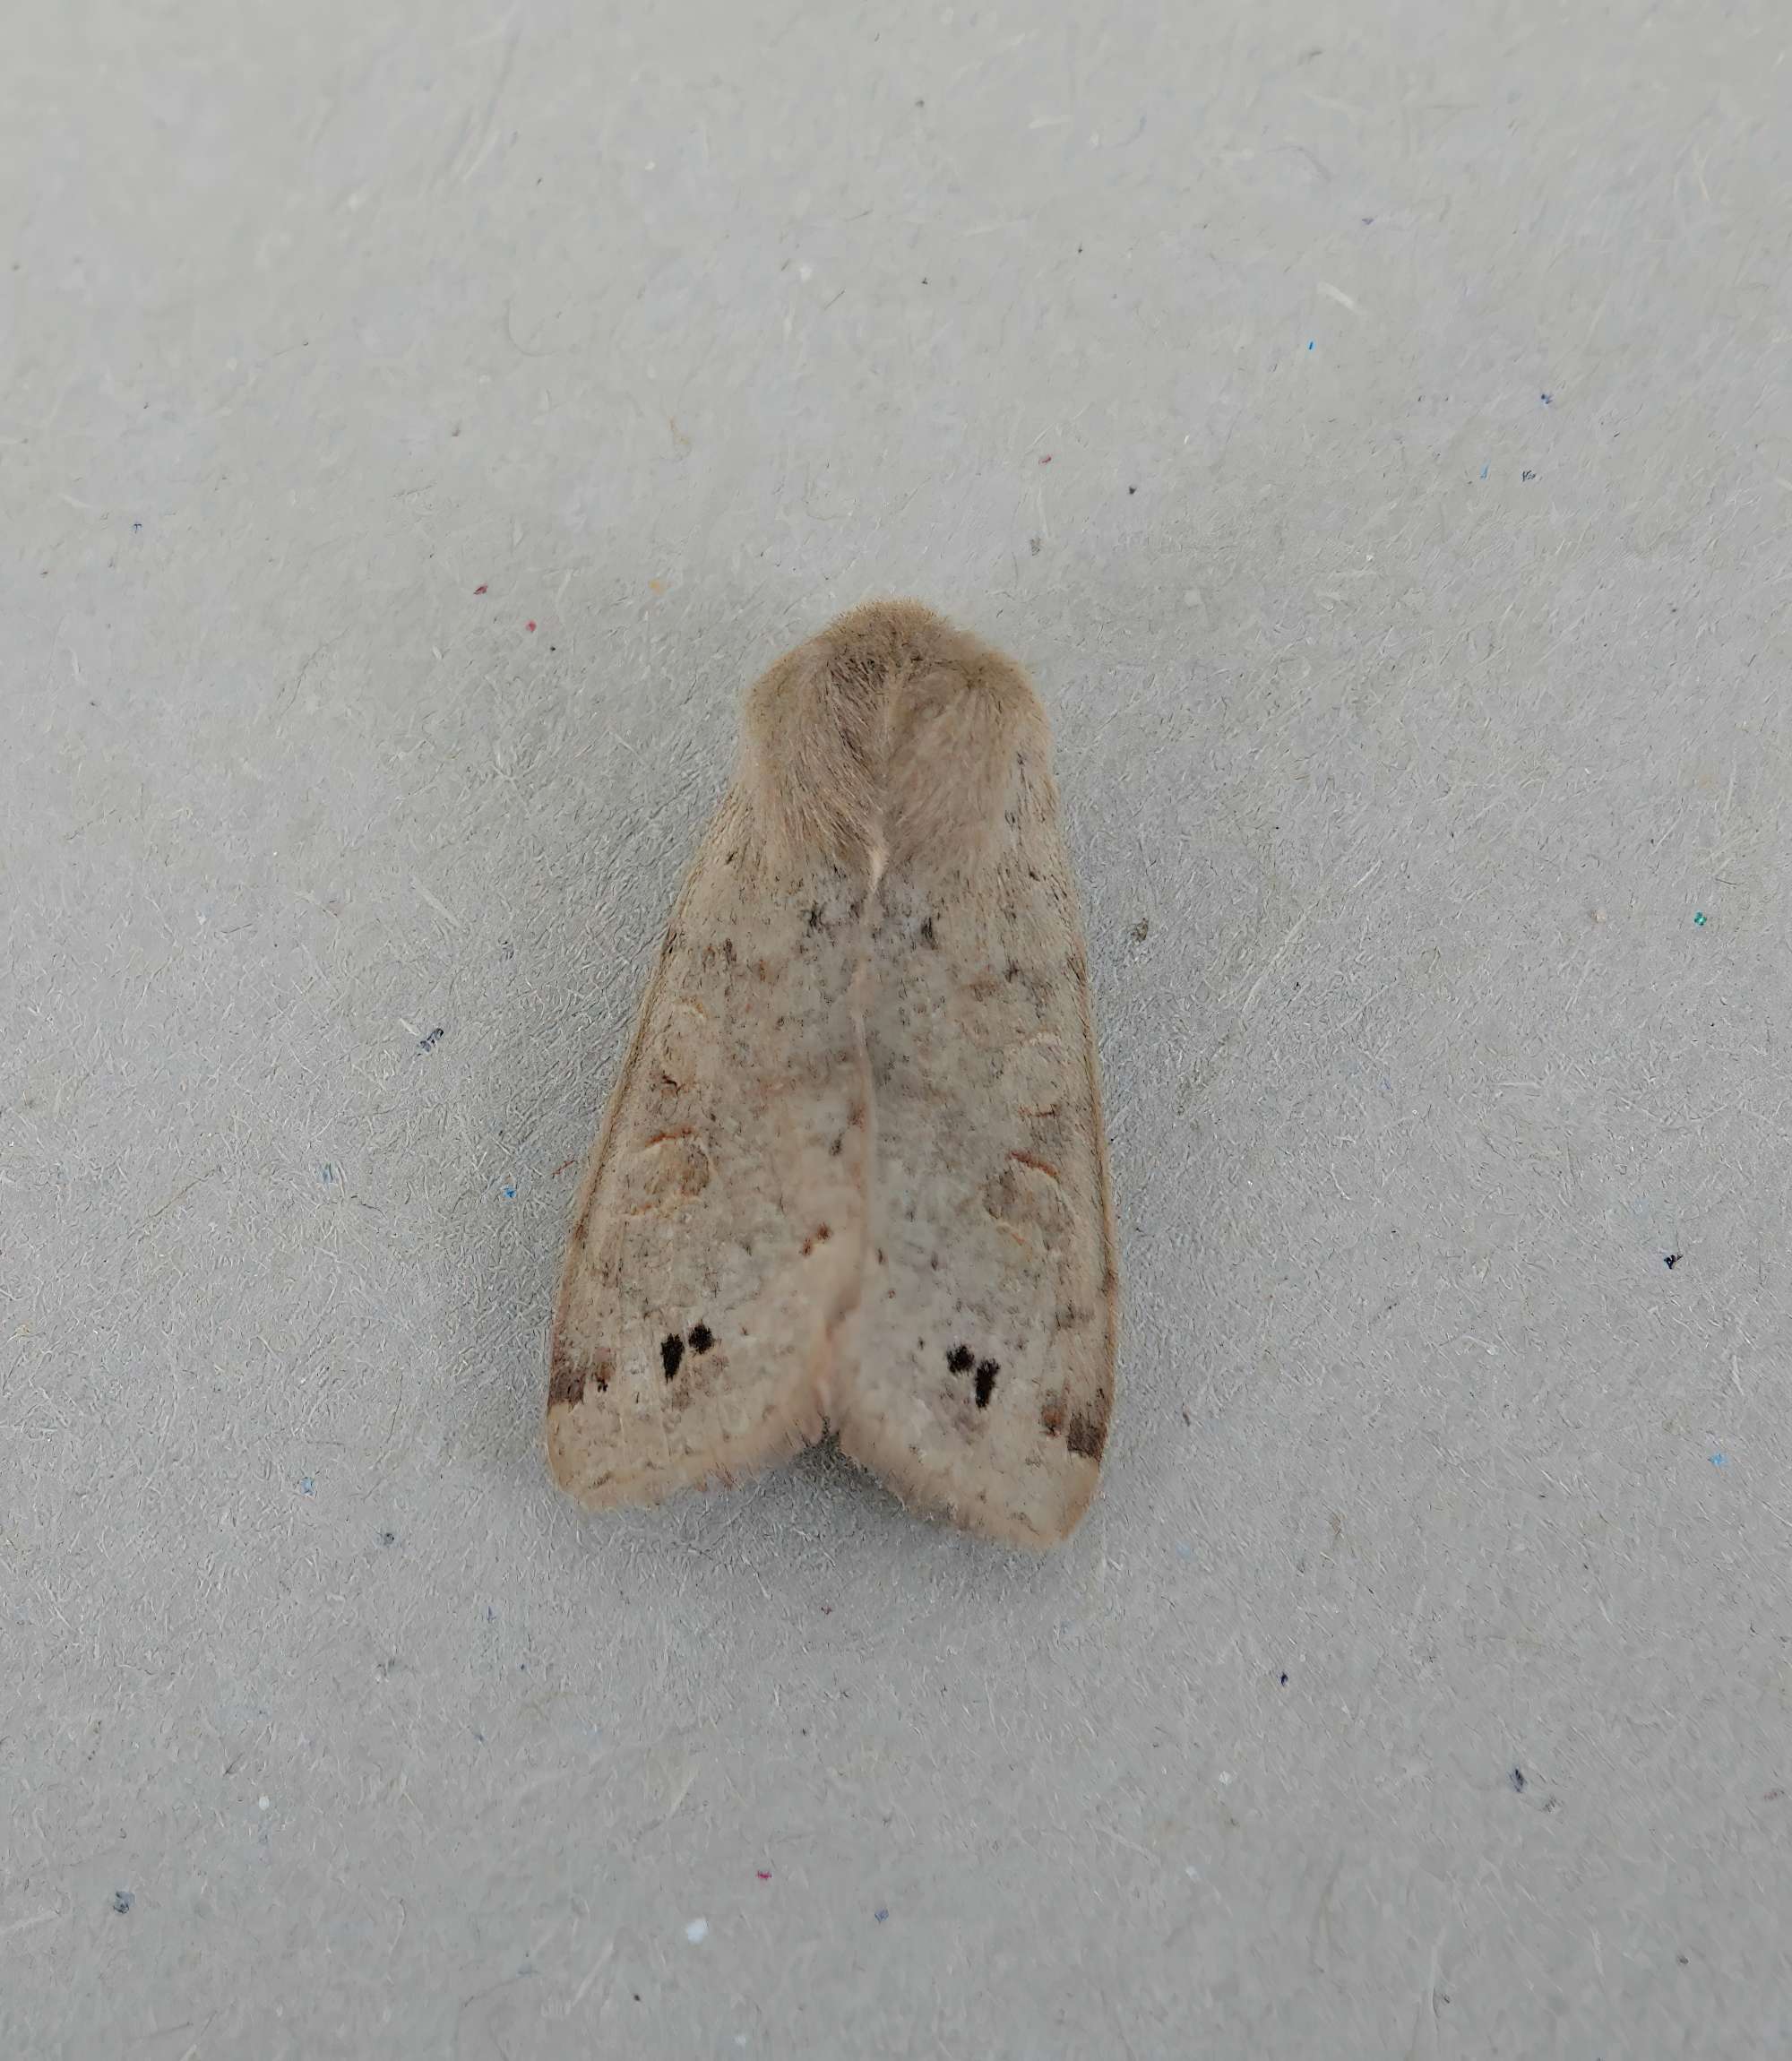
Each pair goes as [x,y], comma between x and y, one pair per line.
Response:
[441,908]
[1424,2046]
[592,1974]
[487,132]
[179,1194]
[1295,929]
[25,1924]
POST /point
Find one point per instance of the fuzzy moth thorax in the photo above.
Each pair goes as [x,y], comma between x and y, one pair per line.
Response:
[890,730]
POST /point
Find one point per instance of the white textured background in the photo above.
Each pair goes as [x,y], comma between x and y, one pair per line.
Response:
[1372,422]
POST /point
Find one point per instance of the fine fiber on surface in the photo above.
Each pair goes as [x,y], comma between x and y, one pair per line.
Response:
[1367,426]
[855,1151]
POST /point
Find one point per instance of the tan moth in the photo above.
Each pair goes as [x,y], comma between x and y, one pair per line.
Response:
[853,1176]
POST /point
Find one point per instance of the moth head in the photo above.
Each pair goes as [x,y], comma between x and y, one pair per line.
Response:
[891,731]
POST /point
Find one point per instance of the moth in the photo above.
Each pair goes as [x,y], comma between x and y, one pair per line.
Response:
[852,1176]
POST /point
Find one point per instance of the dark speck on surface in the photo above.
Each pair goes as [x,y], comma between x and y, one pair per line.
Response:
[388,1538]
[1527,476]
[1517,1778]
[122,1901]
[1672,1260]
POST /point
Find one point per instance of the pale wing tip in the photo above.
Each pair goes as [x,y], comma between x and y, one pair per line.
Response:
[1035,1534]
[590,1454]
[597,1477]
[1034,1508]
[1035,1531]
[570,1468]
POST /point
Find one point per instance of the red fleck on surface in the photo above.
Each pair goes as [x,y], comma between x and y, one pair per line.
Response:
[529,625]
[481,588]
[561,1169]
[764,1873]
[1046,459]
